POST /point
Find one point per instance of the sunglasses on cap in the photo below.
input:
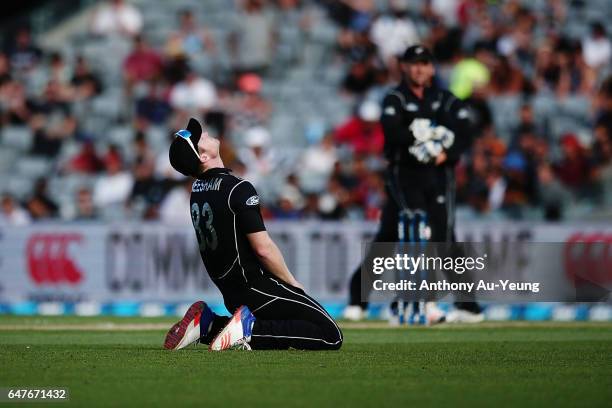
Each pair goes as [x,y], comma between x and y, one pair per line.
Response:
[185,134]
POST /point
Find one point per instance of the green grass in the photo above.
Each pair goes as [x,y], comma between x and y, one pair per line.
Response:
[526,365]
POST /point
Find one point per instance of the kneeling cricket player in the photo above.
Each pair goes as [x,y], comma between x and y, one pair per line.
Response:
[270,308]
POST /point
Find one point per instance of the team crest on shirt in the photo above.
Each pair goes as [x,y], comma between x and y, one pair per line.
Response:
[253,200]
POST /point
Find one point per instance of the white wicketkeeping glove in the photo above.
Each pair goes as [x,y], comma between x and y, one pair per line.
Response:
[434,148]
[420,152]
[444,135]
[421,130]
[424,152]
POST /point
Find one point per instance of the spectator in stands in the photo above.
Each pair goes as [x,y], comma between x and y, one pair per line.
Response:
[393,32]
[115,185]
[368,197]
[40,205]
[573,167]
[5,70]
[86,160]
[17,109]
[362,132]
[551,194]
[290,201]
[340,12]
[517,43]
[317,164]
[147,192]
[285,209]
[526,124]
[252,41]
[85,208]
[11,212]
[572,78]
[478,182]
[258,158]
[246,108]
[344,173]
[354,39]
[117,17]
[601,163]
[472,72]
[596,48]
[154,106]
[446,42]
[555,13]
[333,203]
[478,28]
[297,17]
[59,71]
[452,11]
[142,64]
[23,53]
[506,78]
[361,76]
[55,99]
[49,137]
[141,150]
[603,104]
[193,95]
[175,208]
[520,173]
[190,38]
[85,83]
[558,70]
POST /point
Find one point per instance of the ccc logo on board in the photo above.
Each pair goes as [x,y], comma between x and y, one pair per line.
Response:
[49,260]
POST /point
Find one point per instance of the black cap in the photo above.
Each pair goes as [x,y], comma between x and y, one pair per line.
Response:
[182,157]
[417,53]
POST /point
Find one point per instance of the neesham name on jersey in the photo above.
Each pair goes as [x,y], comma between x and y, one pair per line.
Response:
[201,185]
[444,285]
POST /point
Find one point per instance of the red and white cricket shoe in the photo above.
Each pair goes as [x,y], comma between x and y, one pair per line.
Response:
[194,324]
[237,333]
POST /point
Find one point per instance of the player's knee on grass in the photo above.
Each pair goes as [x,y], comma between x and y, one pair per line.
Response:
[333,336]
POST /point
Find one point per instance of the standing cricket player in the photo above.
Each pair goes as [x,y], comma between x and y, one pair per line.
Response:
[426,130]
[270,308]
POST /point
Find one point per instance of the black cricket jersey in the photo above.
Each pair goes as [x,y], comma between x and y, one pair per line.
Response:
[401,107]
[224,208]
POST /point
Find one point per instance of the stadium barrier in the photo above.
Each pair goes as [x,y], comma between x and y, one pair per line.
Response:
[155,269]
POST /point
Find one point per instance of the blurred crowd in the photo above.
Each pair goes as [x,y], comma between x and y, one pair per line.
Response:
[485,51]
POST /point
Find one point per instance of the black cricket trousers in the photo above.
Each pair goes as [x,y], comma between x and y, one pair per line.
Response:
[285,317]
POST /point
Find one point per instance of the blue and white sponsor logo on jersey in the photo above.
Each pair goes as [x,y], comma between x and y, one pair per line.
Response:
[412,107]
[253,200]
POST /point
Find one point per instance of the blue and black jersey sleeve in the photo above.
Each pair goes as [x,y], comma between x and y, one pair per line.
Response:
[244,202]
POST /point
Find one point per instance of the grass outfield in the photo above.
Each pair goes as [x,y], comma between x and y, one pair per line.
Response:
[117,361]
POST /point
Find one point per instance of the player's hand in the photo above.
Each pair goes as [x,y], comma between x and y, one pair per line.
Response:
[441,158]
